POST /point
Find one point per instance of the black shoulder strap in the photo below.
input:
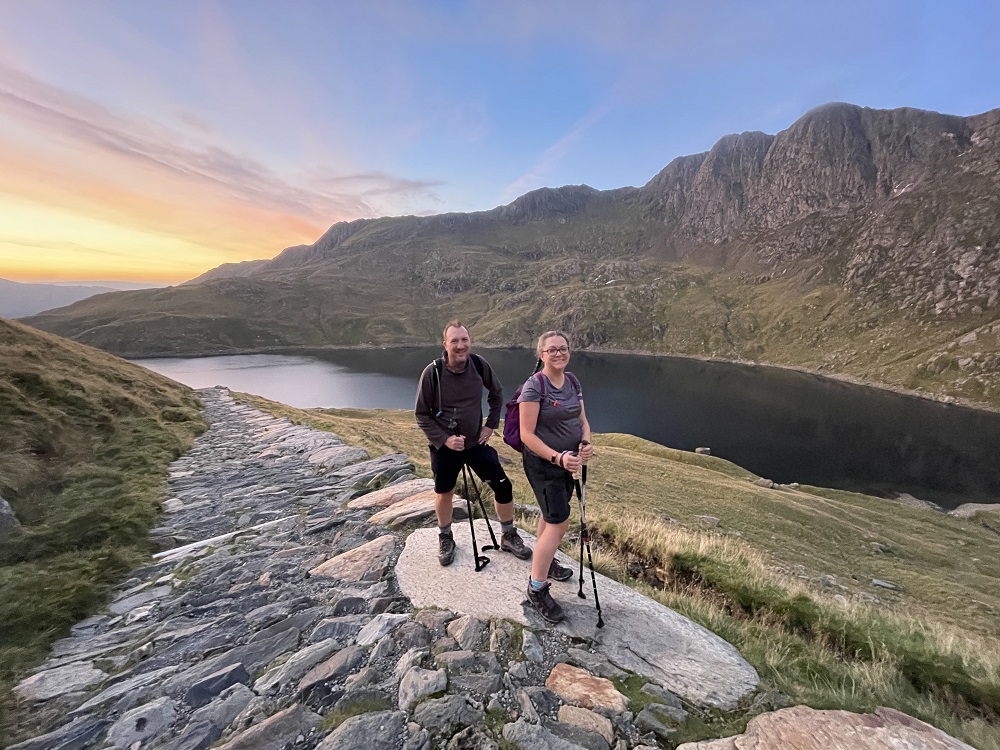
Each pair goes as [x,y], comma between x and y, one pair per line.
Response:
[438,366]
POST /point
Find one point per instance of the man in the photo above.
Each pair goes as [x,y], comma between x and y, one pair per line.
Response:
[449,411]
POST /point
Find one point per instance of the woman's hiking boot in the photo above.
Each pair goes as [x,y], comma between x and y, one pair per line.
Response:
[510,541]
[547,607]
[559,572]
[446,548]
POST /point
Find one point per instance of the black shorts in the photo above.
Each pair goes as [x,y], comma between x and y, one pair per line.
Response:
[553,486]
[482,459]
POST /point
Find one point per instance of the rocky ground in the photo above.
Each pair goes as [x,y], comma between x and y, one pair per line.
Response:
[281,613]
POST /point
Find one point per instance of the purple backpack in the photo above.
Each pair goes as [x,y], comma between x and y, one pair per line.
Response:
[512,414]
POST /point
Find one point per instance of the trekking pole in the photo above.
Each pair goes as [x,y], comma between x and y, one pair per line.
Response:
[581,491]
[481,560]
[477,490]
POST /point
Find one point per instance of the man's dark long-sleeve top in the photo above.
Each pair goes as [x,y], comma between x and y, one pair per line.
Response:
[461,403]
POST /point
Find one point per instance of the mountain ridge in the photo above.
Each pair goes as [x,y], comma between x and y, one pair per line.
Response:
[856,241]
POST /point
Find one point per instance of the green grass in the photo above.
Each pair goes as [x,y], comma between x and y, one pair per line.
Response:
[84,449]
[932,651]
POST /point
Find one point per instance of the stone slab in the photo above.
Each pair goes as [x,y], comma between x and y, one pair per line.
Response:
[640,635]
[393,494]
[804,728]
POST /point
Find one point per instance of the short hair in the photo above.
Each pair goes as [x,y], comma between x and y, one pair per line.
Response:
[540,346]
[452,324]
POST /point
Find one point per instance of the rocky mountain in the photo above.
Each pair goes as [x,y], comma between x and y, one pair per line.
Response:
[861,242]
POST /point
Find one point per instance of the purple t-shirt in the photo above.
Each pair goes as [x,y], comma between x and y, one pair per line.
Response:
[559,424]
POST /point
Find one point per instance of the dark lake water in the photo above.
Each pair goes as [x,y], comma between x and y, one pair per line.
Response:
[787,426]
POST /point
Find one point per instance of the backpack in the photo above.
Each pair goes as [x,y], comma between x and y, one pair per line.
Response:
[512,413]
[439,365]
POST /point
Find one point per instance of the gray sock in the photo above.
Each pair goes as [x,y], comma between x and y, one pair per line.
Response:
[507,526]
[444,529]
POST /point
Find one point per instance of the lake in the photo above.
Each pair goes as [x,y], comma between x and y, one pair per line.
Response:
[781,424]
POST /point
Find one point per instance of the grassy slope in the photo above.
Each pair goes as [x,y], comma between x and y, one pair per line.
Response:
[757,579]
[85,443]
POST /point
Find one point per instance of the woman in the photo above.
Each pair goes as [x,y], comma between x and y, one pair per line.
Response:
[556,438]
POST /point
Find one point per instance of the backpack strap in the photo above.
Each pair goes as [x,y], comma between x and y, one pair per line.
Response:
[438,363]
[575,383]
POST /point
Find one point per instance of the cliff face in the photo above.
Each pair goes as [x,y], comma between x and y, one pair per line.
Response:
[898,206]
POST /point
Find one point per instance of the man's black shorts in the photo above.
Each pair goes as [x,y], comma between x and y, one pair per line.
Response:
[552,485]
[482,459]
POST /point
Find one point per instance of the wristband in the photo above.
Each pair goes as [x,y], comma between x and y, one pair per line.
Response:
[554,457]
[562,457]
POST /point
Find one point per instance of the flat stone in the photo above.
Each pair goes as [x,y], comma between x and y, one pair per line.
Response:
[580,688]
[78,734]
[804,728]
[276,731]
[129,603]
[337,457]
[418,683]
[298,664]
[221,712]
[640,635]
[343,662]
[381,625]
[205,690]
[468,631]
[365,563]
[341,629]
[59,681]
[588,720]
[380,729]
[449,714]
[535,737]
[143,723]
[393,494]
[415,509]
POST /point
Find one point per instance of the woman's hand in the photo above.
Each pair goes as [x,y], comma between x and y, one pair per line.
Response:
[586,451]
[571,462]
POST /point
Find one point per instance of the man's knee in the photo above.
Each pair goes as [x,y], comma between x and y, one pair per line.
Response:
[503,493]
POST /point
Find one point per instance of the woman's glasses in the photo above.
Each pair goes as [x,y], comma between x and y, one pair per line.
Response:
[554,350]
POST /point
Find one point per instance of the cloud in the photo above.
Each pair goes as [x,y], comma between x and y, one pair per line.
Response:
[539,172]
[86,125]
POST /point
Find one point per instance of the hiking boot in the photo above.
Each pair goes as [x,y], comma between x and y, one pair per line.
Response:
[511,542]
[446,548]
[547,607]
[559,572]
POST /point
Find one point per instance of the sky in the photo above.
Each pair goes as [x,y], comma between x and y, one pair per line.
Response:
[152,140]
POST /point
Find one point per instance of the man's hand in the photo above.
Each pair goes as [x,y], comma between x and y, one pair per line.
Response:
[586,451]
[455,442]
[484,435]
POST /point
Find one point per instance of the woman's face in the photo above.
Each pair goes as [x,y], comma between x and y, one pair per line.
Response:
[555,352]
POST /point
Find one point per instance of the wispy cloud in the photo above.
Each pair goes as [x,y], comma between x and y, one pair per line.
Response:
[547,162]
[83,123]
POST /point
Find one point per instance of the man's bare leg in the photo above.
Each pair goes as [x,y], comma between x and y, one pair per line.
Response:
[443,508]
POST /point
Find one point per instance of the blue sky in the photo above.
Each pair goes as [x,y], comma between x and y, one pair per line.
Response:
[155,139]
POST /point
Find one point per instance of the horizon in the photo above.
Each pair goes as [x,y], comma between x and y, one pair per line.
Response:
[152,142]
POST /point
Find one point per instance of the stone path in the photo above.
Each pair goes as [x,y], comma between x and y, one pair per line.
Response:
[281,614]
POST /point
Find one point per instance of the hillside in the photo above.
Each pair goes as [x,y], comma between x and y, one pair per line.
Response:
[85,443]
[859,242]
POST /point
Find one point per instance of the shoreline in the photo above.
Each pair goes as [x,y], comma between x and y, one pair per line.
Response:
[945,400]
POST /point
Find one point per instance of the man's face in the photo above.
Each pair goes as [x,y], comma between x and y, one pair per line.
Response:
[457,344]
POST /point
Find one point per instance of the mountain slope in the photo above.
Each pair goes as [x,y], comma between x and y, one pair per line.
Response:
[84,448]
[860,242]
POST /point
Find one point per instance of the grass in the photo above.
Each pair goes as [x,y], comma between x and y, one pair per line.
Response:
[785,577]
[84,449]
